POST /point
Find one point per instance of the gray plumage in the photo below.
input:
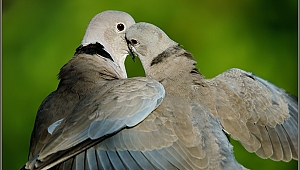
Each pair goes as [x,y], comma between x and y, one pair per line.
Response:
[187,133]
[97,119]
[94,99]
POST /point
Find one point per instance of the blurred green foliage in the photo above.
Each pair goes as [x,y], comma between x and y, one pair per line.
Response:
[40,36]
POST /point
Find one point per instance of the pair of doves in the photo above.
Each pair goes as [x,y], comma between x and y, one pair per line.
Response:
[173,118]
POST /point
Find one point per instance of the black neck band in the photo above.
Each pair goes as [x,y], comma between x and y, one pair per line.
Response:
[92,49]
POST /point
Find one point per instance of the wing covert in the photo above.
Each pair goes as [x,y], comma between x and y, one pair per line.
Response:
[107,110]
[260,115]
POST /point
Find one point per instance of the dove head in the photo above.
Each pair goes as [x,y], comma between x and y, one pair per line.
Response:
[147,41]
[108,28]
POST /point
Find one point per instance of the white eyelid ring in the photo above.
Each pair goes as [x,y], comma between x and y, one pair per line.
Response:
[120,27]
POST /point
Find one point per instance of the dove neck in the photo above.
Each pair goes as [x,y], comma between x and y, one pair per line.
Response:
[173,63]
[92,49]
[84,72]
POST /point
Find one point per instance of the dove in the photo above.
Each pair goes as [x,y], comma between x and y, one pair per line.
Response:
[195,111]
[94,99]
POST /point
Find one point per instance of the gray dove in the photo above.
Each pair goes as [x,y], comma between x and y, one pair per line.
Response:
[93,101]
[185,131]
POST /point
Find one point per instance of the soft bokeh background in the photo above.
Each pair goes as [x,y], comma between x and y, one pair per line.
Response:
[39,36]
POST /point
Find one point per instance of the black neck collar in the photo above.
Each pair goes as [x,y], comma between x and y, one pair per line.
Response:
[92,49]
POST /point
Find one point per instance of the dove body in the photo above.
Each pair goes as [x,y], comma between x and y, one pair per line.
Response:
[93,101]
[253,111]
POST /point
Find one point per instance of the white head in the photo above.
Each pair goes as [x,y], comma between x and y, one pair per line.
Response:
[108,28]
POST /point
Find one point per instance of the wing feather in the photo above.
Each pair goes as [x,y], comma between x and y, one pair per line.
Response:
[128,160]
[97,115]
[270,115]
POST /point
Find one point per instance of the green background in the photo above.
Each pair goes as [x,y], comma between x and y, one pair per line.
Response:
[39,36]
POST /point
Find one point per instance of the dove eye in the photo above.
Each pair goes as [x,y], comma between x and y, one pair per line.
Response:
[134,42]
[120,27]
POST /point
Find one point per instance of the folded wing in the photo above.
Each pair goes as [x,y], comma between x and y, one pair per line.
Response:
[116,105]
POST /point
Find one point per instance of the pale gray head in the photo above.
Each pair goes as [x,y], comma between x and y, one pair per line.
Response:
[147,41]
[108,28]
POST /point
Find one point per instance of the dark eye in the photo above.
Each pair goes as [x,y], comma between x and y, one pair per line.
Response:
[134,42]
[120,27]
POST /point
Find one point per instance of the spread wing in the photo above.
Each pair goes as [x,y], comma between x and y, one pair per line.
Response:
[173,136]
[116,105]
[263,117]
[167,143]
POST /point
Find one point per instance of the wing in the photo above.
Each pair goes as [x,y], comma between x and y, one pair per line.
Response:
[77,77]
[260,115]
[56,105]
[183,142]
[176,135]
[173,136]
[116,105]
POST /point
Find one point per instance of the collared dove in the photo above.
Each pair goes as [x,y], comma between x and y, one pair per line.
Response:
[187,127]
[94,99]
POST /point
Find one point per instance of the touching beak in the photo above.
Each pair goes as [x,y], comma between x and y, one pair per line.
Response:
[130,51]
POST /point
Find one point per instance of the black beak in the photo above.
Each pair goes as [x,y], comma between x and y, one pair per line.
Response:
[131,53]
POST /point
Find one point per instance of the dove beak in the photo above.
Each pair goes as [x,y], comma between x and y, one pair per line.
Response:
[130,51]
